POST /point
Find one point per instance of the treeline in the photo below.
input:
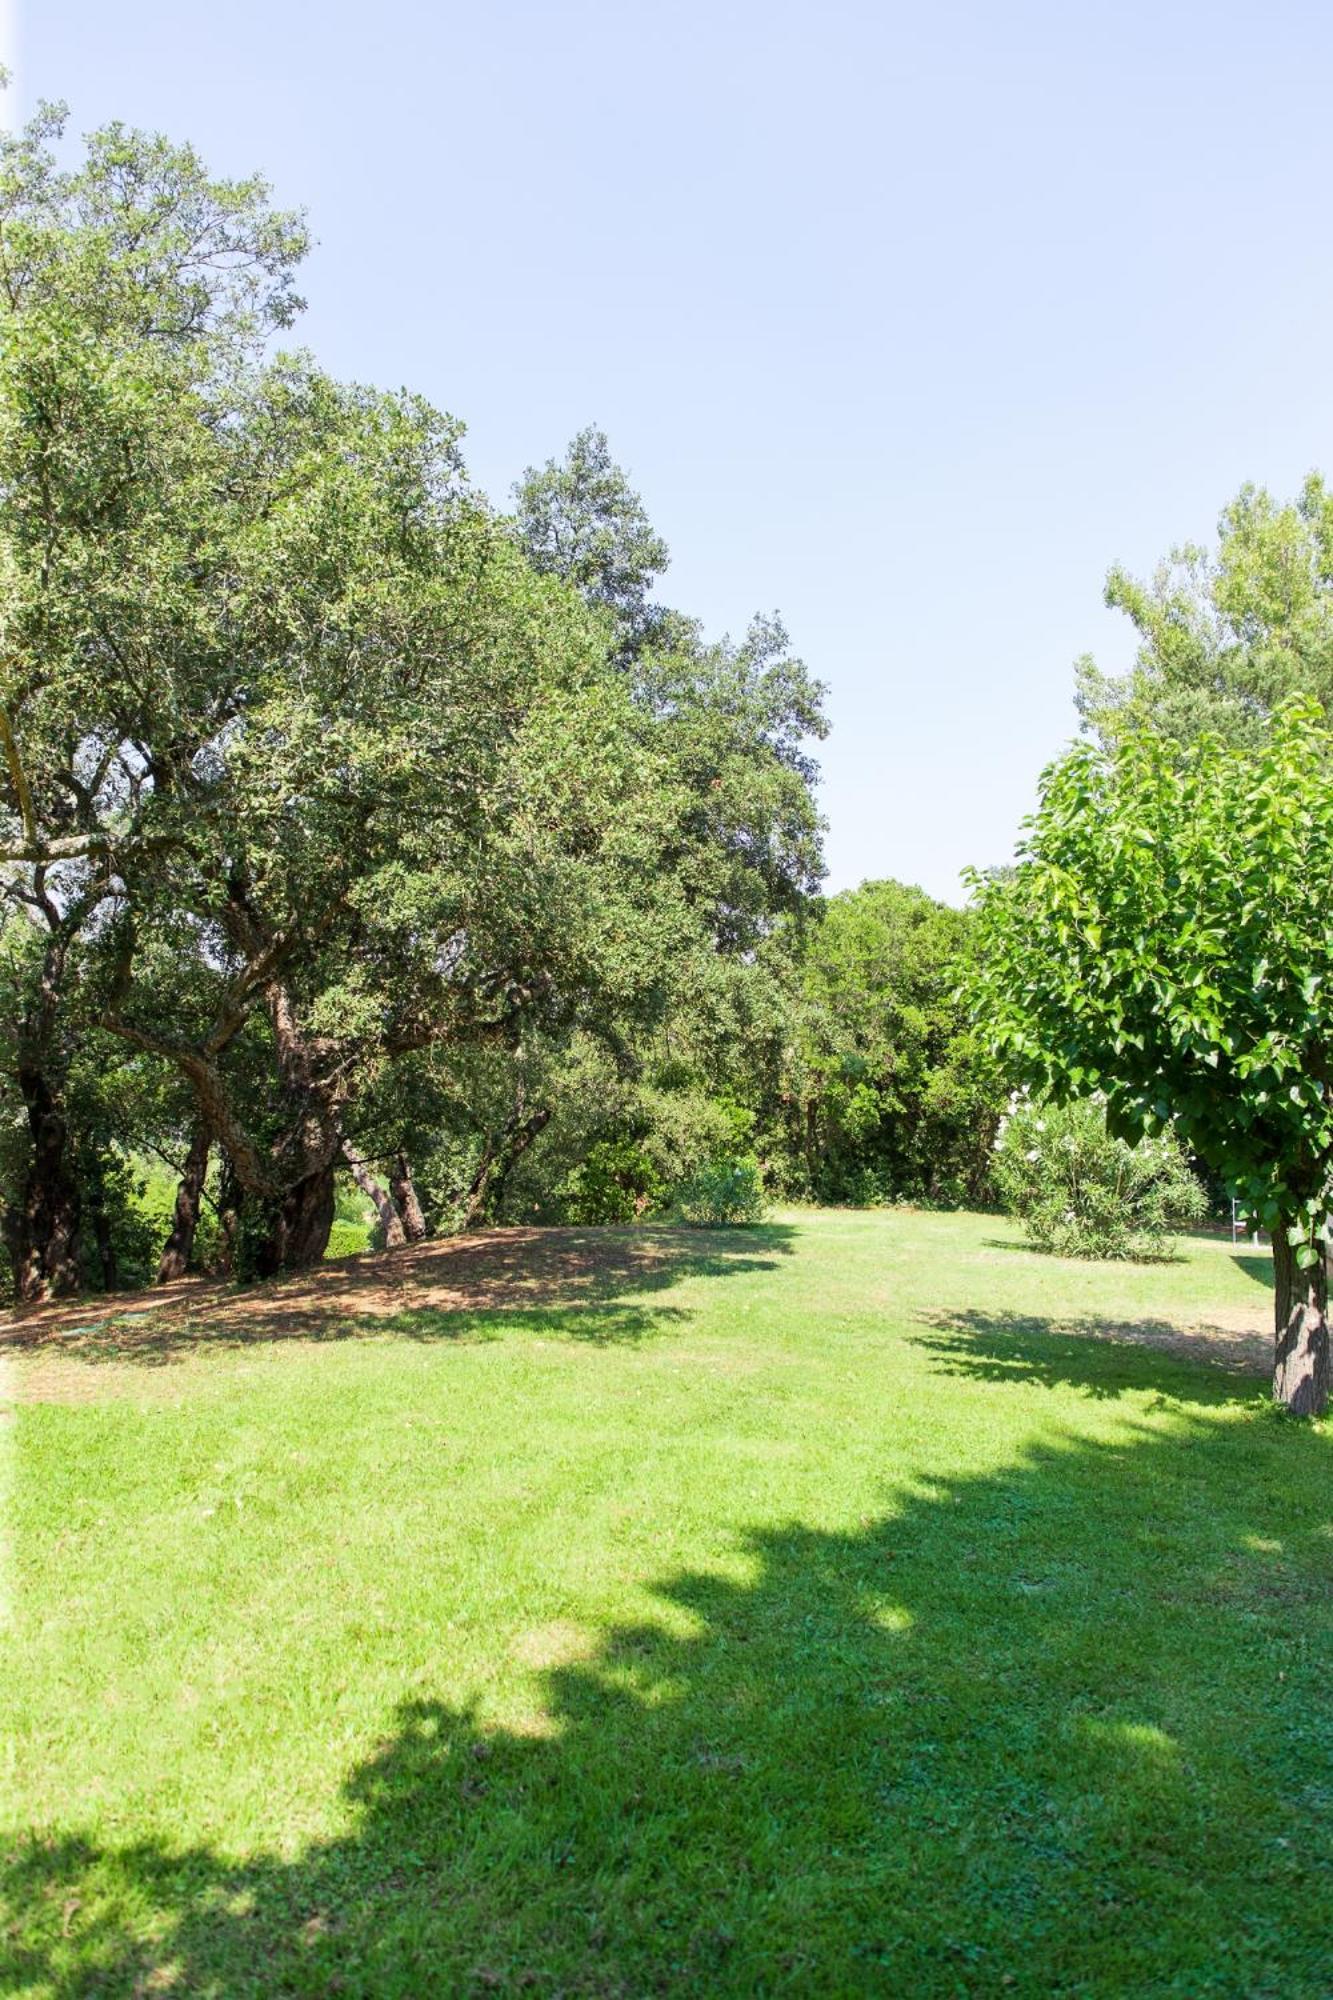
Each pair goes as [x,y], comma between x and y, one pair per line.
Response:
[838,1061]
[356,832]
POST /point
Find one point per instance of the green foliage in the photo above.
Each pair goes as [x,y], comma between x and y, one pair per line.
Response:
[892,1094]
[723,1193]
[385,776]
[348,1239]
[1226,635]
[1165,940]
[581,520]
[135,1199]
[1081,1192]
[616,1181]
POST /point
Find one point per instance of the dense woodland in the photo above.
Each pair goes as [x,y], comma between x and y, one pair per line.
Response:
[379,862]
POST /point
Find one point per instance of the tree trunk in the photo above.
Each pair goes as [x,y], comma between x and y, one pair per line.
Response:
[811,1138]
[405,1197]
[299,1234]
[231,1200]
[43,1228]
[498,1161]
[179,1246]
[305,1157]
[391,1222]
[1300,1306]
[106,1249]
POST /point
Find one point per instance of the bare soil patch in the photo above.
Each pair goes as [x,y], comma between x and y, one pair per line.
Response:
[432,1290]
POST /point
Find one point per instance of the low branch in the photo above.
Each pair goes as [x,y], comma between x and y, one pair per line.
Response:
[211,1096]
[80,846]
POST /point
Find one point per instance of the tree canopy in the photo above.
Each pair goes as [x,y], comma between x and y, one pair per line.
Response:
[1225,634]
[320,774]
[894,1094]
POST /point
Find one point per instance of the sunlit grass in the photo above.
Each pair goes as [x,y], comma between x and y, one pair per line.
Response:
[843,1617]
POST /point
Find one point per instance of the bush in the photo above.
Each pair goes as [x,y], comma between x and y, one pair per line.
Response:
[1079,1192]
[348,1239]
[615,1182]
[722,1193]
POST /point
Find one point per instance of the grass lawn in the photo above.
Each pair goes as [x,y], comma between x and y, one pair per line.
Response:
[820,1609]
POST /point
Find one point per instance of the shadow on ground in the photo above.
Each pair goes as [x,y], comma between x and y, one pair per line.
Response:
[572,1283]
[1024,1734]
[1257,1265]
[1100,1358]
[1020,1247]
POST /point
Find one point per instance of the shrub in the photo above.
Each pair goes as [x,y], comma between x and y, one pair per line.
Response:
[1079,1192]
[348,1239]
[615,1182]
[722,1193]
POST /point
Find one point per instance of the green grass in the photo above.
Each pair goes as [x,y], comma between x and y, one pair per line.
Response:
[815,1614]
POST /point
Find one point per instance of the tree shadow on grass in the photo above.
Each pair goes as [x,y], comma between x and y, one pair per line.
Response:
[570,1283]
[593,1323]
[1257,1266]
[1023,1734]
[1099,1358]
[1026,1249]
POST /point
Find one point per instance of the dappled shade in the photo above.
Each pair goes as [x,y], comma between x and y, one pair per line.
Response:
[471,1286]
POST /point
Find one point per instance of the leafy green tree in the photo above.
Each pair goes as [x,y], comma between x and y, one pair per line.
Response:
[1165,940]
[579,518]
[116,276]
[1225,635]
[892,1094]
[734,719]
[729,727]
[318,776]
[294,734]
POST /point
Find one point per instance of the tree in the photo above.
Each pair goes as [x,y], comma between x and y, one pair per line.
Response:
[893,1094]
[580,519]
[1224,636]
[730,724]
[127,284]
[1165,940]
[428,842]
[312,768]
[734,719]
[295,738]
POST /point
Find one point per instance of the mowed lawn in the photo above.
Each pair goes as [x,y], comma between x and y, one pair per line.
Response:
[830,1608]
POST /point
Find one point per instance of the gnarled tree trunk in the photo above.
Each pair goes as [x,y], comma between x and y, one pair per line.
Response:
[231,1201]
[299,1233]
[391,1222]
[501,1155]
[1300,1309]
[179,1246]
[305,1159]
[42,1229]
[406,1200]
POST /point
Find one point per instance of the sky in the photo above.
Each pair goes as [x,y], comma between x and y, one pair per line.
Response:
[907,321]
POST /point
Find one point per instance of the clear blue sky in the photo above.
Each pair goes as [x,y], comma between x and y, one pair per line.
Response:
[906,320]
